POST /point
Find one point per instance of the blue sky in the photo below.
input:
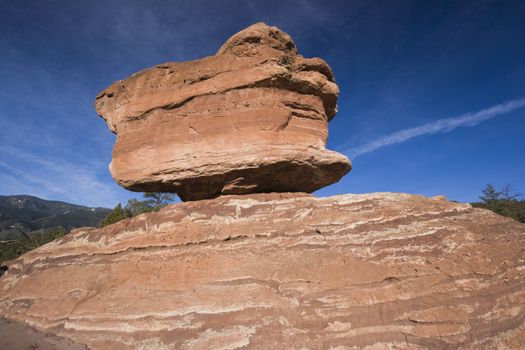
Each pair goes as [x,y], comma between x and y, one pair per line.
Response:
[431,91]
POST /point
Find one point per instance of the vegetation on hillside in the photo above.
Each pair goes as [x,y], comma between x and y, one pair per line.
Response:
[503,202]
[153,201]
[23,215]
[11,249]
[14,248]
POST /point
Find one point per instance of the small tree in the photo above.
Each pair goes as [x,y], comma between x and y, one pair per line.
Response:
[153,201]
[114,216]
[157,200]
[136,207]
[508,193]
[504,202]
[490,194]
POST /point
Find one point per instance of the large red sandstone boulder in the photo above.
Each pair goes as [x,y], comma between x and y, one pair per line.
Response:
[252,118]
[282,271]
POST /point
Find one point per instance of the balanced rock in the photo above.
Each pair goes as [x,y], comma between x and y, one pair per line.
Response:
[282,271]
[252,118]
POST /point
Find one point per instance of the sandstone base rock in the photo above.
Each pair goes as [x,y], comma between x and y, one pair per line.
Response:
[282,271]
[252,118]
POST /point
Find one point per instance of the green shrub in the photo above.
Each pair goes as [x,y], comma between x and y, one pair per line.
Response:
[114,216]
[504,202]
[153,202]
[13,249]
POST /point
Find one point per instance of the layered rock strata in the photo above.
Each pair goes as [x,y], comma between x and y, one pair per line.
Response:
[252,118]
[282,271]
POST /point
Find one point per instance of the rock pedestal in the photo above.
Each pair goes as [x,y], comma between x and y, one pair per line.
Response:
[252,118]
[282,271]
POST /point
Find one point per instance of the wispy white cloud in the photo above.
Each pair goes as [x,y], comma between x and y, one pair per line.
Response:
[79,182]
[32,179]
[438,126]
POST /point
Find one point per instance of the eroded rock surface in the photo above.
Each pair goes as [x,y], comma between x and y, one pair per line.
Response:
[282,271]
[252,118]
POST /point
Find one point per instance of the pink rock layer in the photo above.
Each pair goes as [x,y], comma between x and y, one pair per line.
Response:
[252,118]
[282,271]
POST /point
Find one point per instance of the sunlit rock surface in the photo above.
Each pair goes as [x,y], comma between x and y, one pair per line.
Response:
[282,271]
[252,118]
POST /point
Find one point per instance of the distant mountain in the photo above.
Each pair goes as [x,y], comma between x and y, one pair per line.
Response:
[20,215]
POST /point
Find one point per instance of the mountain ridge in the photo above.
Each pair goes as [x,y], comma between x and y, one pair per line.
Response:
[21,215]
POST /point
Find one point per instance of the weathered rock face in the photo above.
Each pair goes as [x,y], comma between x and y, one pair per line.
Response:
[252,118]
[282,271]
